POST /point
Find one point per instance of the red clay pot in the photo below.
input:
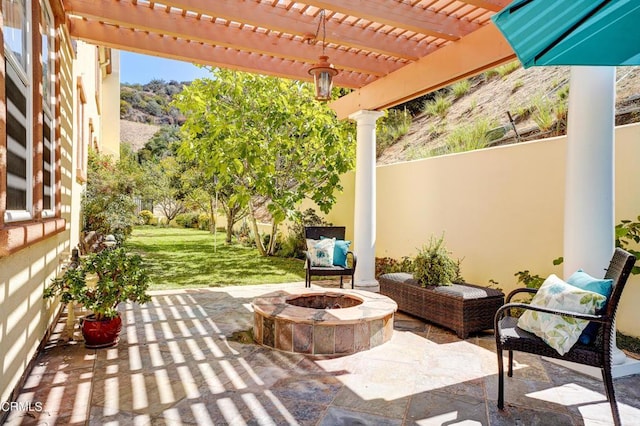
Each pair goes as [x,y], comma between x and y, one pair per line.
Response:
[101,333]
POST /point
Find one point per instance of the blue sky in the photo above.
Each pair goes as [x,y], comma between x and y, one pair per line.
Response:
[135,68]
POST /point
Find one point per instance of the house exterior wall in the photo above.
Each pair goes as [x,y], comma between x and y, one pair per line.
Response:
[501,210]
[33,249]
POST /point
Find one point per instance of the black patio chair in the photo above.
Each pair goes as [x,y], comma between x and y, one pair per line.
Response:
[511,338]
[337,232]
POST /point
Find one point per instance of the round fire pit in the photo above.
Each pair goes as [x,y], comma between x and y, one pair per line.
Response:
[324,301]
[323,322]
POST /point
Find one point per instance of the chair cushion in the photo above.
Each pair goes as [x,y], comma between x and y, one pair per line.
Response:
[559,332]
[340,252]
[321,251]
[603,286]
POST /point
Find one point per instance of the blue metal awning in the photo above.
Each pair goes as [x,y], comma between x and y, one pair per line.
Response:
[572,32]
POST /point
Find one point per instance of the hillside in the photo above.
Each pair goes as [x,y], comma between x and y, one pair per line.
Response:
[477,108]
[528,95]
[149,103]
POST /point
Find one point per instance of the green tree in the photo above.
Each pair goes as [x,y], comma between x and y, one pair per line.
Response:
[163,186]
[266,139]
[107,203]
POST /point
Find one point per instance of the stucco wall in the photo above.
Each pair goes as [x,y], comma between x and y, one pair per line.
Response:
[24,315]
[501,209]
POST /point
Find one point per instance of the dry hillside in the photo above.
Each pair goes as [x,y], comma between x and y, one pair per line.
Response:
[490,96]
[136,134]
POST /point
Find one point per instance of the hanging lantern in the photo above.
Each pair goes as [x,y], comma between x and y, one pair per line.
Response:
[323,74]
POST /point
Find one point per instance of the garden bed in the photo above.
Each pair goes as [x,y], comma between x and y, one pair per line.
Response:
[463,308]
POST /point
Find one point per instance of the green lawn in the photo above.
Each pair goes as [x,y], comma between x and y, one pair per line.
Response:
[187,258]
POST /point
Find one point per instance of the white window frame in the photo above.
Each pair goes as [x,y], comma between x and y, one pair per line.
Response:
[48,110]
[15,70]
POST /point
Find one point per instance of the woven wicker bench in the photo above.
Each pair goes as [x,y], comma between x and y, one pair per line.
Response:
[463,308]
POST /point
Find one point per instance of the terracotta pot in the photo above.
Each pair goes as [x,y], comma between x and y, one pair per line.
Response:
[101,333]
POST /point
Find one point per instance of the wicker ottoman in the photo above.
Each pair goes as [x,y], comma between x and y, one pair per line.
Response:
[463,308]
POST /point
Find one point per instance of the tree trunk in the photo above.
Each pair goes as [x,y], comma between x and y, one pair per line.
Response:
[256,233]
[230,222]
[272,240]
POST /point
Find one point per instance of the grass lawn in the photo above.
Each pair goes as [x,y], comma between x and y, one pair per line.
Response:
[185,258]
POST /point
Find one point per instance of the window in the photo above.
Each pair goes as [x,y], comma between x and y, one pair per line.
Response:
[30,177]
[19,147]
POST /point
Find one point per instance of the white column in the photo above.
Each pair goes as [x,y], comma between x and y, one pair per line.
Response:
[589,188]
[365,200]
[589,237]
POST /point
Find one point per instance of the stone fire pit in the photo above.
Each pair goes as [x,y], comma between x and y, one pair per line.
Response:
[323,322]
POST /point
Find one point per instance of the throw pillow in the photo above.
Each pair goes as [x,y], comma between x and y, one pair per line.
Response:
[585,281]
[321,251]
[559,332]
[340,252]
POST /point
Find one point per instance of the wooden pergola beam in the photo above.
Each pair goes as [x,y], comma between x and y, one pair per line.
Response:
[492,5]
[483,49]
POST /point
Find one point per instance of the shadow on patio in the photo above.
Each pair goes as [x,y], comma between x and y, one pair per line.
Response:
[175,364]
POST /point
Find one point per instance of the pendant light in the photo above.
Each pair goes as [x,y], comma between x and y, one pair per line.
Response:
[323,72]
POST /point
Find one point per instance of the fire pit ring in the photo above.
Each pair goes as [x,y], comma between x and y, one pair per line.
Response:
[323,322]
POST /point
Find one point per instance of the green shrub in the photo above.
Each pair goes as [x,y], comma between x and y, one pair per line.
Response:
[187,220]
[391,128]
[387,265]
[476,135]
[107,202]
[438,106]
[461,88]
[489,74]
[518,84]
[543,113]
[294,244]
[506,69]
[433,265]
[145,216]
[204,222]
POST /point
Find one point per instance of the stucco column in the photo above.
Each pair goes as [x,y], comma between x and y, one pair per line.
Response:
[364,226]
[589,237]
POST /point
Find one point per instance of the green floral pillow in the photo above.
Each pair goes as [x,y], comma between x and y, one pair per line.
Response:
[559,332]
[321,251]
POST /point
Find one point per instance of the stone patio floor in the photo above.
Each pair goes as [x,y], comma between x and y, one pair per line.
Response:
[177,364]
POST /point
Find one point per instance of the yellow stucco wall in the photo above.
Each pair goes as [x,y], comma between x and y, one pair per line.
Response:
[24,315]
[110,95]
[501,209]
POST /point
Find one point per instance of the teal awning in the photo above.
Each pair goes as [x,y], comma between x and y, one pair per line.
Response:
[572,32]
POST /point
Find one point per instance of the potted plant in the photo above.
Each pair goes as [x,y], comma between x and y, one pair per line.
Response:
[99,283]
[433,265]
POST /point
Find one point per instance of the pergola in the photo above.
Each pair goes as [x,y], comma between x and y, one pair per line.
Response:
[388,51]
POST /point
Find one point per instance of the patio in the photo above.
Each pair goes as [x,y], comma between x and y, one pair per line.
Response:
[177,363]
